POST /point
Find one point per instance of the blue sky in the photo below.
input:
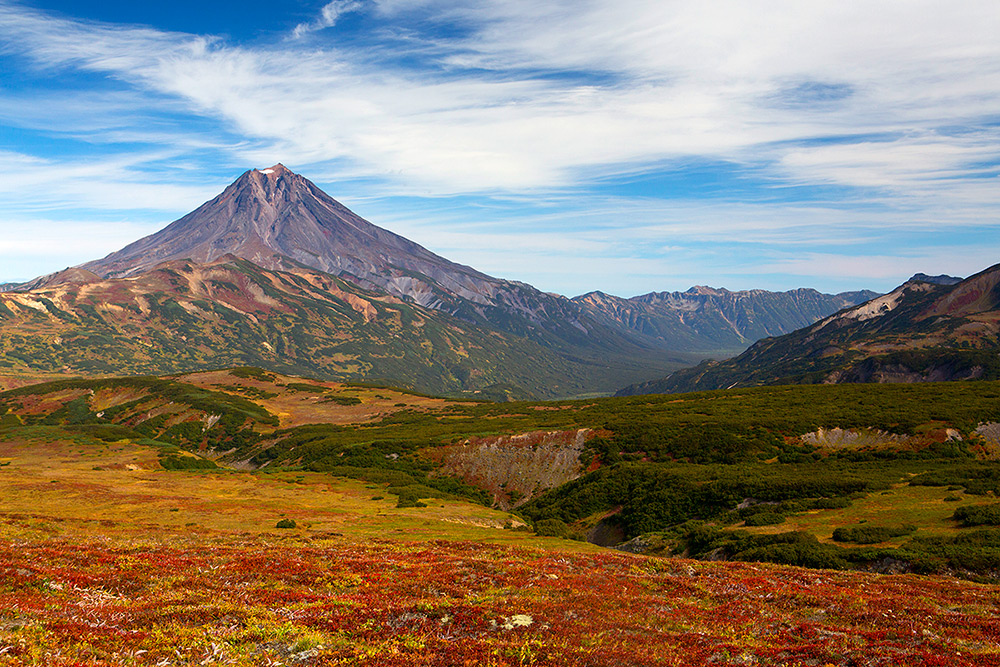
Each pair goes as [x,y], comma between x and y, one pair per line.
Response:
[627,146]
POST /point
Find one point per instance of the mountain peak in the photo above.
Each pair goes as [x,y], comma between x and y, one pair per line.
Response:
[942,279]
[277,170]
[268,216]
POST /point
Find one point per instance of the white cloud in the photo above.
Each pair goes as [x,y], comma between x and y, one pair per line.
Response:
[328,17]
[110,183]
[961,261]
[31,246]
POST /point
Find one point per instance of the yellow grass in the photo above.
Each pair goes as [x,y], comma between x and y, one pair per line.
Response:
[68,488]
[923,506]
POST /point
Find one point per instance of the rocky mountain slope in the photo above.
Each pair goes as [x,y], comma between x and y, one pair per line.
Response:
[921,331]
[708,320]
[184,316]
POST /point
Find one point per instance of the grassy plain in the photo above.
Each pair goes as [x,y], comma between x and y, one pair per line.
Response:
[923,506]
[85,487]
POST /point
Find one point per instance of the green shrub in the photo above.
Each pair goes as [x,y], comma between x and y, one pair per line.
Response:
[977,515]
[829,503]
[176,462]
[285,523]
[407,497]
[306,387]
[249,372]
[764,519]
[552,528]
[107,432]
[342,400]
[871,534]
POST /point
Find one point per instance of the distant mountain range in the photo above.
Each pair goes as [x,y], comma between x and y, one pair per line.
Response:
[928,329]
[714,321]
[235,274]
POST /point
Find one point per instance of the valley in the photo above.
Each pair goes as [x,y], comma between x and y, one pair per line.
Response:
[246,517]
[691,474]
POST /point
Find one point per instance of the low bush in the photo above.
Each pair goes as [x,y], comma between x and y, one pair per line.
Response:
[977,515]
[871,534]
[764,519]
[177,462]
[552,528]
[342,400]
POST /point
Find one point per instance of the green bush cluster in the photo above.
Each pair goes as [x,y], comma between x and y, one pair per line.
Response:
[871,534]
[306,387]
[552,528]
[978,515]
[764,519]
[252,373]
[654,496]
[342,400]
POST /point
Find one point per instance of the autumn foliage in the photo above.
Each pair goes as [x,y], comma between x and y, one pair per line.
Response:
[198,600]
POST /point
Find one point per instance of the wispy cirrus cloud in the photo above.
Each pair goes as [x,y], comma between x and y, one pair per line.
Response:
[328,17]
[483,113]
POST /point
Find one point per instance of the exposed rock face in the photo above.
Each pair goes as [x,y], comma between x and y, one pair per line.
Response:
[990,431]
[838,438]
[937,280]
[516,468]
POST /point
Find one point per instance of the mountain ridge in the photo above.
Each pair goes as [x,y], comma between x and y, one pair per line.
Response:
[709,319]
[921,331]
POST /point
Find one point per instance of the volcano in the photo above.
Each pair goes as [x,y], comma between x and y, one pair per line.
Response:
[269,216]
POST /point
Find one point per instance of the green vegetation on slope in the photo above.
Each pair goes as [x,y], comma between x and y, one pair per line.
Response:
[183,317]
[761,474]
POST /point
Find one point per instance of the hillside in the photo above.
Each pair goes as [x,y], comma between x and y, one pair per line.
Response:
[183,316]
[921,331]
[134,529]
